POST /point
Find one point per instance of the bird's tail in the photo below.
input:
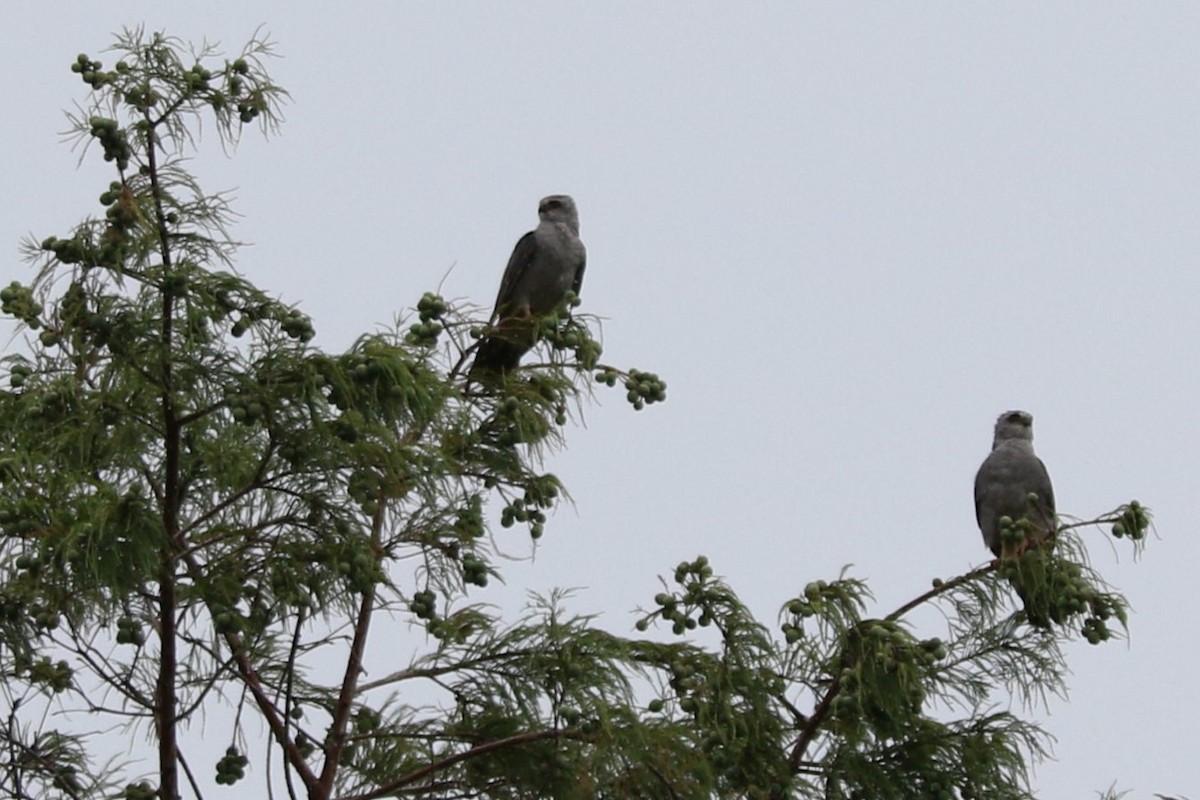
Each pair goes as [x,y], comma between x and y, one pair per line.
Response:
[1035,611]
[1036,575]
[501,350]
[497,355]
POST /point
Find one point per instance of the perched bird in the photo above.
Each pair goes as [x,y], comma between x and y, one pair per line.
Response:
[546,263]
[1007,479]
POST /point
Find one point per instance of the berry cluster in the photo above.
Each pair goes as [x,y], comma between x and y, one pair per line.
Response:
[231,768]
[571,336]
[18,374]
[1014,533]
[587,351]
[550,389]
[548,324]
[430,309]
[694,606]
[1134,522]
[227,621]
[294,323]
[249,109]
[468,522]
[80,250]
[359,568]
[129,631]
[112,140]
[424,605]
[197,79]
[801,608]
[16,524]
[90,71]
[45,618]
[25,561]
[643,388]
[250,105]
[142,98]
[297,326]
[244,409]
[54,675]
[139,791]
[474,570]
[685,680]
[538,495]
[17,300]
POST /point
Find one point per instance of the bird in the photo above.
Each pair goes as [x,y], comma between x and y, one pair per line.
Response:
[1013,482]
[546,263]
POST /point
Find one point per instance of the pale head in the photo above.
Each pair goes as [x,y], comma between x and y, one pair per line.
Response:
[559,208]
[1013,426]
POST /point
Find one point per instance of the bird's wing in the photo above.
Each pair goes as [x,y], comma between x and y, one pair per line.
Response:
[1039,482]
[577,284]
[518,263]
[981,487]
[990,483]
[1046,488]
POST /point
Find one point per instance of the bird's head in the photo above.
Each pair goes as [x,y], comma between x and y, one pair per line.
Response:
[559,208]
[1013,426]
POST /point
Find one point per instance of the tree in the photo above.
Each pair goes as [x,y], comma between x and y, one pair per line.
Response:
[202,513]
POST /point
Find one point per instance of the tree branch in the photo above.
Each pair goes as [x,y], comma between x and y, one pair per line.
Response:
[164,697]
[345,702]
[474,752]
[942,588]
[250,678]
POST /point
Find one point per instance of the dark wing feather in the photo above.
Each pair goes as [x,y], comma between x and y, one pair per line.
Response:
[577,284]
[984,515]
[501,350]
[497,355]
[1047,495]
[514,273]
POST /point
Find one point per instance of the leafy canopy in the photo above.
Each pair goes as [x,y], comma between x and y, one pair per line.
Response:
[205,518]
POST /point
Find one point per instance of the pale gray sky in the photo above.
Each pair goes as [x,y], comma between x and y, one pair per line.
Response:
[847,235]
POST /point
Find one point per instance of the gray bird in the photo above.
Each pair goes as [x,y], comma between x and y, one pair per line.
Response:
[546,263]
[1007,478]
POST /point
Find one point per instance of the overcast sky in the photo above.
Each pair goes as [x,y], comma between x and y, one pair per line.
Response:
[848,236]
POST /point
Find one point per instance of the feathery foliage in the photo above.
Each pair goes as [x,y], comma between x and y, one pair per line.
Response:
[204,518]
